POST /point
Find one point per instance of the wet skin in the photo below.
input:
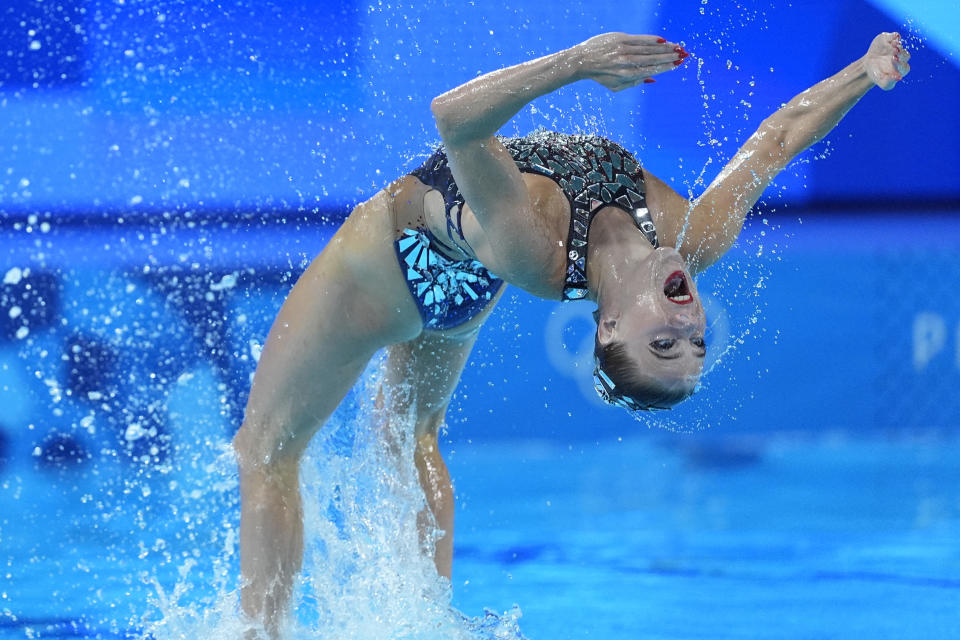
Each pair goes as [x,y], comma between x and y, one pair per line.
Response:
[352,300]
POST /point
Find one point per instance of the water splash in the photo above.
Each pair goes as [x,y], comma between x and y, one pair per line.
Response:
[367,573]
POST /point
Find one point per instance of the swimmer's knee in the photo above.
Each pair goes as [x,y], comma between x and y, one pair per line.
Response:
[264,444]
[245,446]
[428,422]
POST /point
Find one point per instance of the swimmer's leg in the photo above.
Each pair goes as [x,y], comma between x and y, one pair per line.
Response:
[421,375]
[337,316]
[424,372]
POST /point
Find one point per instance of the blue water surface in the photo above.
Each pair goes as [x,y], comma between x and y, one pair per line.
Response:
[649,537]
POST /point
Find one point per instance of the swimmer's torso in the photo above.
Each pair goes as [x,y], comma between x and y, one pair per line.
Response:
[569,179]
[449,263]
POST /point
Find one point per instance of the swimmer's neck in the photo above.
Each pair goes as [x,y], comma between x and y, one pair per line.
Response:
[616,247]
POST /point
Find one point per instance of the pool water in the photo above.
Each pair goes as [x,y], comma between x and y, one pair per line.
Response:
[649,537]
[828,538]
[821,502]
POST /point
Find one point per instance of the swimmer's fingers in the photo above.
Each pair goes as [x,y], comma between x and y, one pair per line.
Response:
[645,60]
[887,60]
[647,41]
[901,59]
[903,69]
[619,60]
[641,74]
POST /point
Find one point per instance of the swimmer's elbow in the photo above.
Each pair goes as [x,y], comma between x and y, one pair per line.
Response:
[453,123]
[774,135]
[786,134]
[436,107]
[443,118]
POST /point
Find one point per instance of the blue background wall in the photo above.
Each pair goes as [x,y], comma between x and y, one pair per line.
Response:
[167,169]
[278,105]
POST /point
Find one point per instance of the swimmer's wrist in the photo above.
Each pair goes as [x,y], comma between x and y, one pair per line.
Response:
[575,62]
[858,68]
[857,75]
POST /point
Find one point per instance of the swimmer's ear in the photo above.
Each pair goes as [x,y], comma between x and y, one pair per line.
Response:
[606,330]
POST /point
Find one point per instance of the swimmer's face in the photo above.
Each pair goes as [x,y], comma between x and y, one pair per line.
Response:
[663,322]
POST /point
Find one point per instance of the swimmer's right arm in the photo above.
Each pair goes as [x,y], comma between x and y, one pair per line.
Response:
[714,220]
[469,116]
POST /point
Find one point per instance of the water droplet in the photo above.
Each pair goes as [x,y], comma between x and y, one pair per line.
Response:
[134,432]
[13,276]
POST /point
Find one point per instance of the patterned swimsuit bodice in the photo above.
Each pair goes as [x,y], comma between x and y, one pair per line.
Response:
[593,173]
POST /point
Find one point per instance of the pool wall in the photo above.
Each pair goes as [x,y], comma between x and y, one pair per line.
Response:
[145,108]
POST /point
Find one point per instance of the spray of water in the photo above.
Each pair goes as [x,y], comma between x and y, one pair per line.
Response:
[368,570]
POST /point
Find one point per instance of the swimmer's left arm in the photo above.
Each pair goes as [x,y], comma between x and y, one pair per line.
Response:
[469,116]
[477,109]
[715,219]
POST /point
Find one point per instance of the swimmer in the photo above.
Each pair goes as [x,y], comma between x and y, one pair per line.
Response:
[418,268]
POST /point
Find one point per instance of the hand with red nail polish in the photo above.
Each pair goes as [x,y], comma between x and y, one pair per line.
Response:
[619,60]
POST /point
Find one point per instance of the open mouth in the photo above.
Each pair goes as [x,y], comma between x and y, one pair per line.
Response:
[676,288]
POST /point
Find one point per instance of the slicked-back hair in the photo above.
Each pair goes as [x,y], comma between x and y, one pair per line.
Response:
[628,377]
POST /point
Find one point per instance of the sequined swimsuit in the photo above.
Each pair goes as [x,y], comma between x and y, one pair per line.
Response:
[593,173]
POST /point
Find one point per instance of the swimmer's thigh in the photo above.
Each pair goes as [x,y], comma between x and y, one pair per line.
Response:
[340,312]
[422,374]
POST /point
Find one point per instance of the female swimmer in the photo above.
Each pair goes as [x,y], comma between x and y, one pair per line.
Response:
[418,268]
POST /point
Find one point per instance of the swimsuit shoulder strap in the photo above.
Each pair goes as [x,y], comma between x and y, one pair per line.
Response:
[594,173]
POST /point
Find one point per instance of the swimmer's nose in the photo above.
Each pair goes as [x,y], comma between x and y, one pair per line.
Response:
[685,322]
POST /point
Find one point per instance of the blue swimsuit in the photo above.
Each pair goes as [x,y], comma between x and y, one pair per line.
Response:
[593,173]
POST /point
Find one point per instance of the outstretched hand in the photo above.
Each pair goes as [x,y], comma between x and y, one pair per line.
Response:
[887,60]
[619,61]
